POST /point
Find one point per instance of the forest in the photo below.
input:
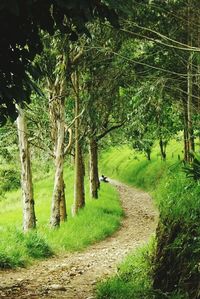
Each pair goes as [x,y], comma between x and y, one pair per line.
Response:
[92,88]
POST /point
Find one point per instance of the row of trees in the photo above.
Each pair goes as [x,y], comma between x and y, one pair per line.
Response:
[106,79]
[81,106]
[87,78]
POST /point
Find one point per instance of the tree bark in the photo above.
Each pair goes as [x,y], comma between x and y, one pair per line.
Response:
[185,132]
[190,87]
[58,191]
[148,152]
[162,149]
[79,193]
[29,219]
[94,173]
[63,208]
[189,106]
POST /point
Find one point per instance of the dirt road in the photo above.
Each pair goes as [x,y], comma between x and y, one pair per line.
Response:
[73,276]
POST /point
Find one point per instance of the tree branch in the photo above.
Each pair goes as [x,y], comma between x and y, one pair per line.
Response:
[100,136]
[42,148]
[75,60]
[68,147]
[75,118]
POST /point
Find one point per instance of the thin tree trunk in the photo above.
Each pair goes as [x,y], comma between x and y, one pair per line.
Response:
[162,149]
[79,194]
[29,219]
[189,106]
[185,132]
[190,87]
[63,209]
[94,174]
[198,81]
[58,191]
[148,152]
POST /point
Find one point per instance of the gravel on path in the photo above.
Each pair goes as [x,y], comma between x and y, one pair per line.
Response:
[74,275]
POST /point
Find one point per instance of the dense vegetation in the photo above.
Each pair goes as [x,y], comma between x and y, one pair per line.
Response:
[81,76]
[171,261]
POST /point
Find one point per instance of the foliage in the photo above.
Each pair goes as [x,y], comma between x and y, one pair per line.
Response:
[177,256]
[133,279]
[20,25]
[36,246]
[21,248]
[175,263]
[192,170]
[9,173]
[130,167]
[10,179]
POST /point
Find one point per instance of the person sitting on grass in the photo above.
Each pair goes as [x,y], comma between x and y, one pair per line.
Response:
[103,178]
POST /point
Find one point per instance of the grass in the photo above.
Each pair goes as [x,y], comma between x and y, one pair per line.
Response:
[131,167]
[99,219]
[133,278]
[177,250]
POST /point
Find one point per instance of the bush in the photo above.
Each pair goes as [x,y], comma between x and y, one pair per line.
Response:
[6,261]
[17,248]
[178,235]
[36,246]
[9,178]
[9,261]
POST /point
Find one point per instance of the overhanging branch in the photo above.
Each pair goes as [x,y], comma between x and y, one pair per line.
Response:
[100,136]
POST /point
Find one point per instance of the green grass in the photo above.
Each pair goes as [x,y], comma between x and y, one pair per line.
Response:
[131,167]
[133,278]
[176,255]
[99,219]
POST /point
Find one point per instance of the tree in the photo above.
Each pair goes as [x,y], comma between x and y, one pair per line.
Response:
[79,171]
[20,25]
[29,219]
[104,110]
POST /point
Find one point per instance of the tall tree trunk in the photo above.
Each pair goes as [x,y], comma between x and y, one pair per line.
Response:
[29,219]
[79,194]
[190,85]
[189,105]
[185,132]
[58,191]
[94,173]
[63,208]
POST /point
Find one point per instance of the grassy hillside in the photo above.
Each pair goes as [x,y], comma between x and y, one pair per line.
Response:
[97,220]
[170,268]
[131,167]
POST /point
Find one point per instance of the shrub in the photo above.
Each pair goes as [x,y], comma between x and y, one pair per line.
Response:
[36,246]
[9,178]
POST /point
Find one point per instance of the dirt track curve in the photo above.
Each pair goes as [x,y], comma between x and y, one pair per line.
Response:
[73,276]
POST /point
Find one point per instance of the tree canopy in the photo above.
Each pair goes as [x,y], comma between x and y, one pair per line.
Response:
[20,41]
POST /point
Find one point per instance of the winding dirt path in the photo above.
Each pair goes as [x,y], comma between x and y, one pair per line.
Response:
[73,276]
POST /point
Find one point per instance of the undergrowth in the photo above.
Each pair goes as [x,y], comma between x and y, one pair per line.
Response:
[133,278]
[18,249]
[174,266]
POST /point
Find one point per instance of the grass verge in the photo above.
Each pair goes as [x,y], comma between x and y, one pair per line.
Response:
[173,272]
[99,219]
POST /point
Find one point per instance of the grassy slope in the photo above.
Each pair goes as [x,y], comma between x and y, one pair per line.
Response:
[133,168]
[177,199]
[99,219]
